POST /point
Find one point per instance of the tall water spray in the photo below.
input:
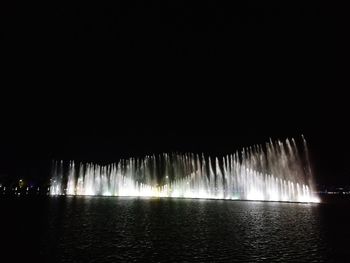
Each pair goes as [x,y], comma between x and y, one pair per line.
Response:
[277,171]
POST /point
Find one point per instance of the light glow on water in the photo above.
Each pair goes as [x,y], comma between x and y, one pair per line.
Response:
[276,172]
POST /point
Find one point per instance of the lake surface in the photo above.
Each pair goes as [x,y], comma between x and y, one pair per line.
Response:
[110,229]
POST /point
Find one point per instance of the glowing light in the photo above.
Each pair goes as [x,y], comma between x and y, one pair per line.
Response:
[236,176]
[255,195]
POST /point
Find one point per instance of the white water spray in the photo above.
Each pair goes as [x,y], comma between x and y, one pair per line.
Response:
[276,172]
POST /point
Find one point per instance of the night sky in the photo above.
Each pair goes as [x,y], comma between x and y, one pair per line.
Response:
[96,83]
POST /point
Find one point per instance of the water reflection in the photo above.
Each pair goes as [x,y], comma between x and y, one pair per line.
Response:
[130,229]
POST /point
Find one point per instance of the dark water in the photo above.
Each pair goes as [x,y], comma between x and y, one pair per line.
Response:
[99,229]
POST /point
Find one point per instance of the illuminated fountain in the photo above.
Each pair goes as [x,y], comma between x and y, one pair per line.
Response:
[276,172]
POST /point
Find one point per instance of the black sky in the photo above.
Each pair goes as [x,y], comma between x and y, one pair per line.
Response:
[95,82]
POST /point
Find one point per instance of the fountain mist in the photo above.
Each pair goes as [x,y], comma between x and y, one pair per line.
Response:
[276,171]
